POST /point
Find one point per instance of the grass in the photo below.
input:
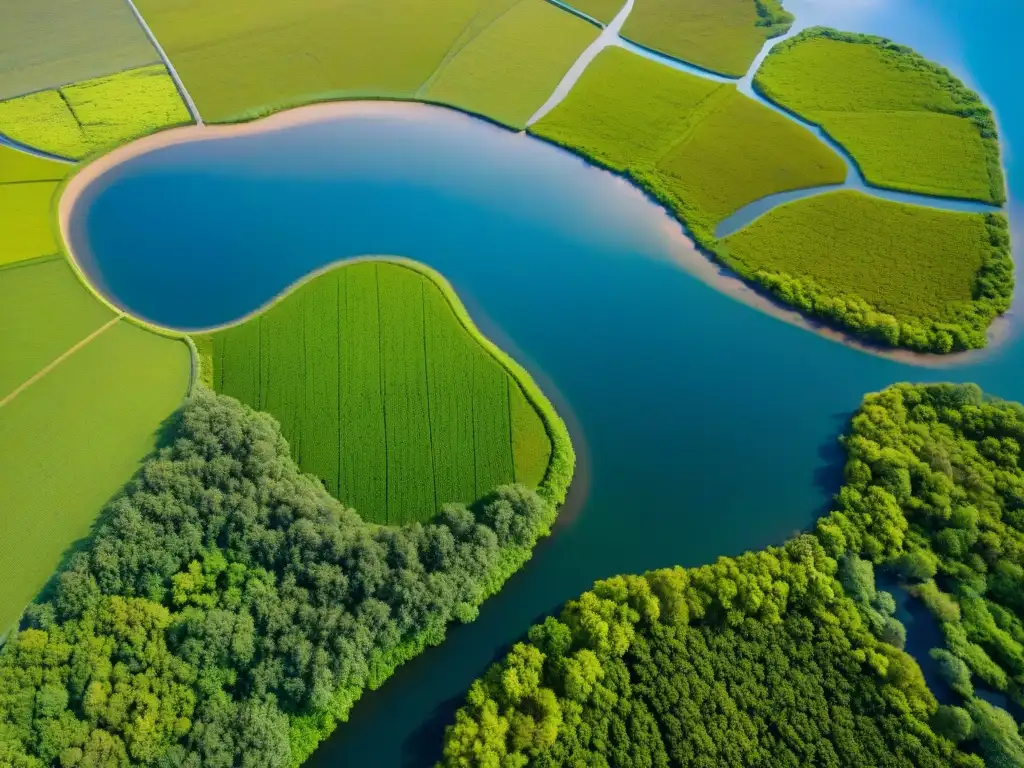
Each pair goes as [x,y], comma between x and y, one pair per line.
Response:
[909,124]
[909,261]
[722,36]
[509,69]
[72,438]
[44,310]
[702,147]
[385,392]
[17,166]
[77,119]
[48,43]
[602,10]
[240,57]
[25,220]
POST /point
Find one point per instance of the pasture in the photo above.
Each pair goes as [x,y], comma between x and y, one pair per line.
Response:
[384,391]
[723,36]
[83,117]
[910,124]
[909,261]
[71,438]
[508,70]
[45,44]
[702,147]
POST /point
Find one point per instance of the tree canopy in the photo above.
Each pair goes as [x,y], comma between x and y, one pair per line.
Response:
[228,611]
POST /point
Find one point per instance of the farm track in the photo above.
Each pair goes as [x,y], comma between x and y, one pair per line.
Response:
[179,84]
[60,359]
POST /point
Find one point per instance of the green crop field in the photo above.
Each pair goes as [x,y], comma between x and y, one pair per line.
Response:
[910,261]
[25,224]
[48,43]
[738,153]
[702,147]
[722,36]
[17,166]
[602,10]
[909,124]
[510,68]
[72,437]
[383,392]
[83,117]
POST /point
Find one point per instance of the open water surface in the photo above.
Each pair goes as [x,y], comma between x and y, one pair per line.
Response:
[709,427]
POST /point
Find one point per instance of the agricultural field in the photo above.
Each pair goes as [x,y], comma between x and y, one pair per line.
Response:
[702,147]
[384,392]
[27,186]
[83,117]
[907,260]
[45,44]
[509,69]
[74,376]
[908,123]
[723,36]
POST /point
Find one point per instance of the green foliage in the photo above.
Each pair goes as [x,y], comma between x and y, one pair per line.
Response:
[1001,743]
[756,660]
[228,611]
[87,116]
[943,465]
[895,274]
[387,392]
[46,43]
[724,36]
[953,722]
[909,124]
[508,70]
[702,148]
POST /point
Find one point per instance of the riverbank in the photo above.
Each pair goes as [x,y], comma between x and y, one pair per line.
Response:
[81,188]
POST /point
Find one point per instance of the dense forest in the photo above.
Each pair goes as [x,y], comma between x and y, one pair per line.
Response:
[228,611]
[791,656]
[934,490]
[760,660]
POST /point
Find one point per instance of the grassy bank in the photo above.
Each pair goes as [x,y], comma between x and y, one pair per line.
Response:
[84,117]
[724,36]
[384,391]
[908,123]
[896,274]
[702,147]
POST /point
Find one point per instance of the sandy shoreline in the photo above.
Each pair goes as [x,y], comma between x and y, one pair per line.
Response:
[685,253]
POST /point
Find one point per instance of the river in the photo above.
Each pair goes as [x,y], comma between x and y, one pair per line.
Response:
[708,427]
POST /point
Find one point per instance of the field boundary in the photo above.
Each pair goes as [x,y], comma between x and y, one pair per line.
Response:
[60,359]
[178,83]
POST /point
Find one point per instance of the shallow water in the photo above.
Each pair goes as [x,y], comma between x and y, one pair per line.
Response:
[710,426]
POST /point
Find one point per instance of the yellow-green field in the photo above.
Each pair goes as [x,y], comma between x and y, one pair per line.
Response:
[25,223]
[909,124]
[48,43]
[722,36]
[80,118]
[240,59]
[82,399]
[384,391]
[511,67]
[702,147]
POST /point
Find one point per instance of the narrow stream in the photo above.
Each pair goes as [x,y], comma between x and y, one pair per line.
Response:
[855,180]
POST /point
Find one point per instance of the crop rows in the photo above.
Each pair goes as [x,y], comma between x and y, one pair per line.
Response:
[383,394]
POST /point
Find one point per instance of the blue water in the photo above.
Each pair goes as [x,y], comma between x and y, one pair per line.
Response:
[708,427]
